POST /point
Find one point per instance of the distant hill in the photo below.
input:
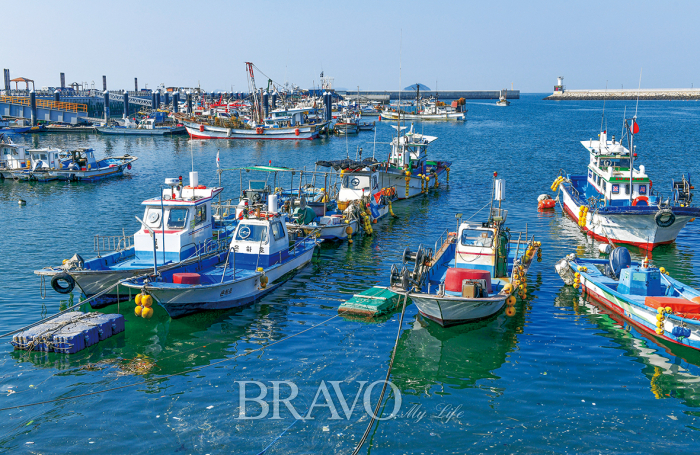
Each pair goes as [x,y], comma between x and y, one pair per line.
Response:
[421,86]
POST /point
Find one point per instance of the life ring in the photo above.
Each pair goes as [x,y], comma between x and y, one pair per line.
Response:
[640,199]
[665,218]
[259,130]
[70,283]
[201,128]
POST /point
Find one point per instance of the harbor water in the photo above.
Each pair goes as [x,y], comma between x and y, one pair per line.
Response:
[562,375]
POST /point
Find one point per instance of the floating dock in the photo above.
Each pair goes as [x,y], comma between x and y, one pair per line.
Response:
[631,94]
[371,303]
[69,333]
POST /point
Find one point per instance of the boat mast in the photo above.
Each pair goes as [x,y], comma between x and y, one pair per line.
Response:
[631,142]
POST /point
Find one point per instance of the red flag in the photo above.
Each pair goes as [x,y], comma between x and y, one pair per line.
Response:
[635,127]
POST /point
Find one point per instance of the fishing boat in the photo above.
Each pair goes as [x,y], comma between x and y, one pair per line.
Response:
[144,127]
[48,164]
[646,296]
[502,101]
[436,111]
[615,202]
[177,229]
[408,169]
[219,128]
[347,124]
[260,258]
[472,273]
[13,157]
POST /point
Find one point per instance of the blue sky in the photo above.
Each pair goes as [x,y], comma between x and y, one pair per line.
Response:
[456,45]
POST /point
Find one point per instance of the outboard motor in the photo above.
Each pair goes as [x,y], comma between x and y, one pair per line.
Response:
[619,259]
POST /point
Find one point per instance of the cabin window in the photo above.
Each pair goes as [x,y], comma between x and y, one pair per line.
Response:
[252,233]
[642,189]
[200,215]
[153,218]
[474,237]
[277,231]
[604,185]
[177,218]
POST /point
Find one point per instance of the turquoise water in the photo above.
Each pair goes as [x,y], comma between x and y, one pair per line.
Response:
[560,376]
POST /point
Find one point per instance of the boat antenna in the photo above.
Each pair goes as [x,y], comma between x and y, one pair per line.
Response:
[398,123]
[375,142]
[605,93]
[638,90]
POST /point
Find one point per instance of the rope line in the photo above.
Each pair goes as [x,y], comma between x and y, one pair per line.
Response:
[388,374]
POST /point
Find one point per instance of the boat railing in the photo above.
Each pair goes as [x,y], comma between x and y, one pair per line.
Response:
[103,243]
[211,246]
[222,209]
[313,235]
[441,239]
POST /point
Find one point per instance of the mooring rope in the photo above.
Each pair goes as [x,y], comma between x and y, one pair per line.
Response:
[386,380]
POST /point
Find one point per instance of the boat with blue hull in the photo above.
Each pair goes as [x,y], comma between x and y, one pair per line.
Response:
[615,202]
[178,228]
[47,164]
[644,295]
[260,258]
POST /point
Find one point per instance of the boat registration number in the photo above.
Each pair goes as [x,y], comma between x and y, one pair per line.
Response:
[226,292]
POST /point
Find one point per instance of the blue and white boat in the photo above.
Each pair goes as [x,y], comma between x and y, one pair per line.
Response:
[48,164]
[615,202]
[178,228]
[644,295]
[259,260]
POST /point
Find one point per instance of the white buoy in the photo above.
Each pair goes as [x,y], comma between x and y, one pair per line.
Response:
[604,248]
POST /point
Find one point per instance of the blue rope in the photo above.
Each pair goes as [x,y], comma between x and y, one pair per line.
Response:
[277,438]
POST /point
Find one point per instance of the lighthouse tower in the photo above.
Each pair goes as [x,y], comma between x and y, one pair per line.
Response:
[559,88]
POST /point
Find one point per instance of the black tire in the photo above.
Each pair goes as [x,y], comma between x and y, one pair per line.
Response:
[70,283]
[665,218]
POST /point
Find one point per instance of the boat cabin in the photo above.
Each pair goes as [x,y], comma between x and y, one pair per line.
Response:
[638,280]
[609,174]
[181,219]
[12,156]
[46,158]
[260,242]
[80,159]
[478,248]
[409,151]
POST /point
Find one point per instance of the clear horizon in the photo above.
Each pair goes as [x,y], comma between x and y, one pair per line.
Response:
[443,45]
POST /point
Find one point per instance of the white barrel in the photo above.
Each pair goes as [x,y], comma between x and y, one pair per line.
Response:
[272,203]
[604,248]
[500,190]
[194,179]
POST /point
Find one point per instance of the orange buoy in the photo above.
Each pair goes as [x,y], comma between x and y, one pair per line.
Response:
[201,128]
[296,131]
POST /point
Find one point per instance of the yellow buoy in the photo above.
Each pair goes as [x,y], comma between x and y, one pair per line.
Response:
[138,299]
[660,310]
[659,331]
[147,301]
[510,300]
[662,270]
[263,281]
[576,284]
[659,317]
[510,311]
[138,310]
[507,288]
[669,309]
[147,313]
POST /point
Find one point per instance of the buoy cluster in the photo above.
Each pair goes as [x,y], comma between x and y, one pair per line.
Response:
[366,223]
[391,209]
[531,249]
[348,231]
[557,182]
[582,215]
[144,302]
[520,281]
[661,317]
[408,182]
[447,169]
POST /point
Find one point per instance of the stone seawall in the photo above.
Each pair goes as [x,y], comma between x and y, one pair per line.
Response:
[653,94]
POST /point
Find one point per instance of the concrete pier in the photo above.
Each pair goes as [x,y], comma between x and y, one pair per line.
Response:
[444,95]
[626,94]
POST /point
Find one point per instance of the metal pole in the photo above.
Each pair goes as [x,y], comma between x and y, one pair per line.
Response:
[162,217]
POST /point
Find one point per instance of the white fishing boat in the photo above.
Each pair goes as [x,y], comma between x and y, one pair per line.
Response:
[260,258]
[76,165]
[144,127]
[614,201]
[13,157]
[502,101]
[177,228]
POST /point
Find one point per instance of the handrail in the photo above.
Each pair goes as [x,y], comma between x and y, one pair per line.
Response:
[57,105]
[112,243]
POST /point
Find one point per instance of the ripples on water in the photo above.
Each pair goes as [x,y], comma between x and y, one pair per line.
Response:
[561,376]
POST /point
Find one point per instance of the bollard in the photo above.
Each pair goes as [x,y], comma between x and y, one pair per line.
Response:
[126,103]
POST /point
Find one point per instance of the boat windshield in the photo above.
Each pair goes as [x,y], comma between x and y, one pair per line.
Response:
[475,237]
[252,233]
[177,218]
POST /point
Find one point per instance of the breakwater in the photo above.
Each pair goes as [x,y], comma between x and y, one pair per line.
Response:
[386,95]
[631,94]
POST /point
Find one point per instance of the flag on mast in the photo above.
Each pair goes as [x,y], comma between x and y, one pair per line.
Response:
[217,159]
[635,127]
